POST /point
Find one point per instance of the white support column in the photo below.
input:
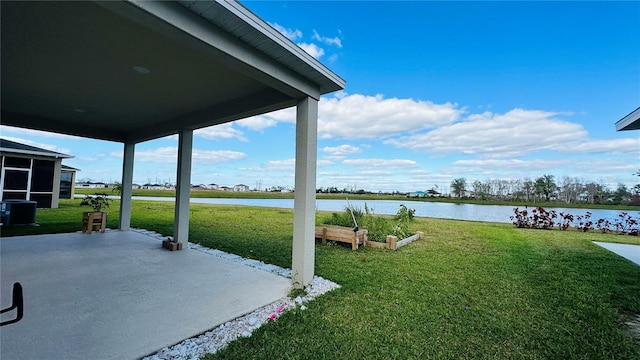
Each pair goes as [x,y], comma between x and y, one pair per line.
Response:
[126,189]
[183,188]
[304,206]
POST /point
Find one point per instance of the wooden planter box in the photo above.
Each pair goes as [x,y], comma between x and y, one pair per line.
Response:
[392,242]
[341,234]
[94,219]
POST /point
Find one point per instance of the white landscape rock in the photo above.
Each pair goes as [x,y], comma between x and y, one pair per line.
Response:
[219,337]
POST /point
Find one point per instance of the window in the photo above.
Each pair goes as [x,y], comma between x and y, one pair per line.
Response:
[42,176]
[16,162]
[65,185]
[16,179]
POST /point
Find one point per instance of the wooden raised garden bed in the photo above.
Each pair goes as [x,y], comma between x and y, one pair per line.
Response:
[341,234]
[392,242]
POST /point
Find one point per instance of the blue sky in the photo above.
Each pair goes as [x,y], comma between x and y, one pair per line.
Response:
[435,91]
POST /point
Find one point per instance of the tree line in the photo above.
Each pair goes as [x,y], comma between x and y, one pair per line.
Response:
[569,190]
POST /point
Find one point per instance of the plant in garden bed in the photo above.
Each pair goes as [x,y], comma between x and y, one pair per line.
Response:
[98,201]
[378,227]
[403,218]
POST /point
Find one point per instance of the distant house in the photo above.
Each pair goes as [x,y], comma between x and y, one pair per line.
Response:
[417,194]
[92,185]
[213,186]
[31,173]
[241,187]
[155,187]
[225,188]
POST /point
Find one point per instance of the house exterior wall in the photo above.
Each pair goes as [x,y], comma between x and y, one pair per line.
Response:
[30,177]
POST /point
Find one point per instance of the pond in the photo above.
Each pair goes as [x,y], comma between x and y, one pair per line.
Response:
[492,213]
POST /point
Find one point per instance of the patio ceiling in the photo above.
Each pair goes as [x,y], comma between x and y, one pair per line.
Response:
[79,67]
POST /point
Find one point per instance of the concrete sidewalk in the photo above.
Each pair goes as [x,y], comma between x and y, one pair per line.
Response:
[629,252]
[119,295]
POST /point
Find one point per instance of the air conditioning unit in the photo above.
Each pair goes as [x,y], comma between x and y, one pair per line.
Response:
[17,212]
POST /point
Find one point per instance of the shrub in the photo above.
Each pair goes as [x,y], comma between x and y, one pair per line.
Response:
[539,218]
[584,222]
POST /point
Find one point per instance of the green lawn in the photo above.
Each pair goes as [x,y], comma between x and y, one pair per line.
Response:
[469,290]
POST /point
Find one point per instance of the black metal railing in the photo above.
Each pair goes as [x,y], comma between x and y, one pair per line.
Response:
[16,304]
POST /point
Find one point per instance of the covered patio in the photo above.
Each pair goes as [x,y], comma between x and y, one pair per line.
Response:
[132,71]
[128,72]
[119,295]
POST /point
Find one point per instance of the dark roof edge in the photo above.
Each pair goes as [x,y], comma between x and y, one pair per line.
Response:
[9,146]
[630,122]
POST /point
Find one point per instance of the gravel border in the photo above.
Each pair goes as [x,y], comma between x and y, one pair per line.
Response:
[243,326]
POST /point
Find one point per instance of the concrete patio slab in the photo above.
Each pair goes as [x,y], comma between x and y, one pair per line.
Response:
[119,295]
[629,252]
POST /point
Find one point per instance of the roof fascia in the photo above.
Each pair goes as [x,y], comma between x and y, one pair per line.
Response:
[260,25]
[8,151]
[629,122]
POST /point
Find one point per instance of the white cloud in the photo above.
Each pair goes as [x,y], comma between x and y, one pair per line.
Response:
[509,164]
[375,173]
[335,41]
[339,152]
[627,146]
[257,123]
[365,117]
[222,131]
[28,132]
[293,35]
[312,49]
[515,133]
[607,166]
[261,122]
[38,144]
[287,165]
[373,117]
[380,163]
[211,157]
[169,155]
